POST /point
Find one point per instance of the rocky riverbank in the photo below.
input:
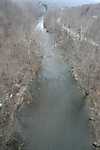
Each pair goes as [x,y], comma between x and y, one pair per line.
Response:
[82,52]
[19,62]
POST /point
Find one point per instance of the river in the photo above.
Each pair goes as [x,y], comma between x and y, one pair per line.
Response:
[57,119]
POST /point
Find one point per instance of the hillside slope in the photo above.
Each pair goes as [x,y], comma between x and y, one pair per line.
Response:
[18,61]
[76,32]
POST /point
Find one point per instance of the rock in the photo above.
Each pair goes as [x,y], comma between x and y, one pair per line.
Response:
[97,145]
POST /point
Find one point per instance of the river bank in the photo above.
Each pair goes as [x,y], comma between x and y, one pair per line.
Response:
[82,51]
[18,63]
[58,110]
[48,95]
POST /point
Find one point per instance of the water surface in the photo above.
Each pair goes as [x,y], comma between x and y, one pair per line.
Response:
[57,118]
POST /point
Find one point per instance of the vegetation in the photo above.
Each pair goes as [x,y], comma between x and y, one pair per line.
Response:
[77,33]
[18,48]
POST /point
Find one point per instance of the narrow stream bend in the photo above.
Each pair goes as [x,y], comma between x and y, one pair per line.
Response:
[57,119]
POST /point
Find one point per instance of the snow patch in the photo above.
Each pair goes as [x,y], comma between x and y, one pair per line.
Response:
[40,25]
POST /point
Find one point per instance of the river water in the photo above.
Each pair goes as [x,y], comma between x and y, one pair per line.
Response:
[57,119]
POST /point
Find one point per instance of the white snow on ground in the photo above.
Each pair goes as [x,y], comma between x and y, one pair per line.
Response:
[77,36]
[58,20]
[73,34]
[0,105]
[95,17]
[40,25]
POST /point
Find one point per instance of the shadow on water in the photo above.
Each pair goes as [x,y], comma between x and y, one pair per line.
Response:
[57,118]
